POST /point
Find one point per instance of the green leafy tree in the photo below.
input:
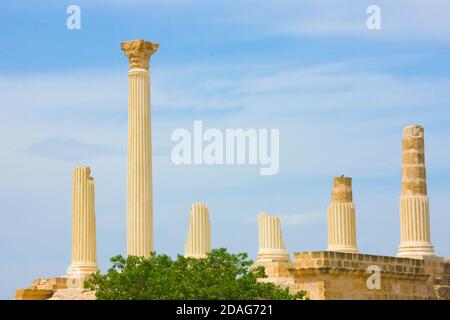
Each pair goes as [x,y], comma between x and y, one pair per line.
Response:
[219,276]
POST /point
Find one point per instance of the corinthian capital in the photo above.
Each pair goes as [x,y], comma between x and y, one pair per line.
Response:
[139,52]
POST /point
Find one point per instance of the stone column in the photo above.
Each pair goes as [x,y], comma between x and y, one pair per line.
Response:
[198,242]
[414,208]
[271,246]
[84,252]
[341,217]
[139,178]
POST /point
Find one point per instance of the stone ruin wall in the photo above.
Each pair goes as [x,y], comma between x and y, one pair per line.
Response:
[327,275]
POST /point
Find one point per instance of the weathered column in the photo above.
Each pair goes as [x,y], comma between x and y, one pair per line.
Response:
[271,245]
[414,208]
[341,217]
[139,178]
[198,242]
[84,253]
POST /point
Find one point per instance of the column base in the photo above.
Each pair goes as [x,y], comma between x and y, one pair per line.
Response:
[273,256]
[415,250]
[346,249]
[77,274]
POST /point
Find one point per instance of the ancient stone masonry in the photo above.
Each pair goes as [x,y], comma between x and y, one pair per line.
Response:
[53,289]
[41,289]
[139,178]
[84,254]
[341,217]
[415,239]
[326,275]
[340,272]
[198,242]
[272,254]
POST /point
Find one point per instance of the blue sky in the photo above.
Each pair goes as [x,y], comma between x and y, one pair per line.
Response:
[339,93]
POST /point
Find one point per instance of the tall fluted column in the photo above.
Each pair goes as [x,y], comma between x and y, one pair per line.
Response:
[84,253]
[414,208]
[341,217]
[139,178]
[271,245]
[198,242]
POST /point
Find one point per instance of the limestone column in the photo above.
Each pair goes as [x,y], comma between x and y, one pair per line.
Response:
[414,208]
[139,178]
[271,245]
[341,217]
[198,242]
[84,253]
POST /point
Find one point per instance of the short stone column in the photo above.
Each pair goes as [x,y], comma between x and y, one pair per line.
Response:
[198,242]
[84,252]
[414,207]
[139,178]
[272,254]
[341,217]
[271,245]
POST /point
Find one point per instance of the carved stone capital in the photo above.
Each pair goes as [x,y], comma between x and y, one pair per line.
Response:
[139,52]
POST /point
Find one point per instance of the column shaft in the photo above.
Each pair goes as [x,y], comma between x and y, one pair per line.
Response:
[139,178]
[341,217]
[139,192]
[341,227]
[198,242]
[271,245]
[84,255]
[415,239]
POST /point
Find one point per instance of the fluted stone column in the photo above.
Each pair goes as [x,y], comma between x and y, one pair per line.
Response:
[84,252]
[414,208]
[271,245]
[198,242]
[341,217]
[139,178]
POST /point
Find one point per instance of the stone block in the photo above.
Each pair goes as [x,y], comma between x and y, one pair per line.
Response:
[33,294]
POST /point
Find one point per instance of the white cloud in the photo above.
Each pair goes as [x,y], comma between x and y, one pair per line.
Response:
[401,19]
[71,150]
[301,219]
[331,102]
[87,92]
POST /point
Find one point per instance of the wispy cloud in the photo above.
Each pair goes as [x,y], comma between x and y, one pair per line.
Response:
[71,150]
[93,95]
[301,219]
[90,106]
[401,20]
